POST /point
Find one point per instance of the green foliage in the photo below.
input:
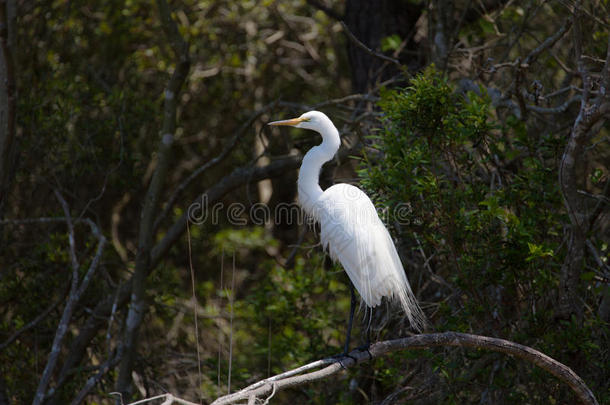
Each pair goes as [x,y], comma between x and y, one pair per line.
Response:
[390,43]
[293,302]
[484,204]
[284,322]
[230,240]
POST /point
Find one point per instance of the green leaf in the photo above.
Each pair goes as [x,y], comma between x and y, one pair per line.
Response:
[390,43]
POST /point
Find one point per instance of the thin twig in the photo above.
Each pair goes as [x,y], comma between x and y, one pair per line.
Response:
[365,48]
[604,89]
[555,110]
[433,275]
[601,203]
[596,256]
[195,304]
[270,396]
[222,269]
[560,92]
[93,380]
[352,97]
[30,324]
[231,303]
[237,136]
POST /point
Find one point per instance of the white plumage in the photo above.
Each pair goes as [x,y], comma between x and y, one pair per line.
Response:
[351,230]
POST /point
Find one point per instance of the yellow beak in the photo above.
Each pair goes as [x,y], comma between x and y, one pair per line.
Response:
[292,122]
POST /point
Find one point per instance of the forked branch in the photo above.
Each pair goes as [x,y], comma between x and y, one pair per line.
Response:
[294,378]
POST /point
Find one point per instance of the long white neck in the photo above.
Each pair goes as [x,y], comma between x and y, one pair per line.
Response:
[309,188]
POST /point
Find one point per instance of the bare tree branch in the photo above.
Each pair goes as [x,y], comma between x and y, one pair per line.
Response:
[601,203]
[237,178]
[138,305]
[555,110]
[211,163]
[43,220]
[89,330]
[425,341]
[520,67]
[547,43]
[352,97]
[103,369]
[76,292]
[366,49]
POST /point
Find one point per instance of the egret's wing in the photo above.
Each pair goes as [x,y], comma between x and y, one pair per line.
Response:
[355,236]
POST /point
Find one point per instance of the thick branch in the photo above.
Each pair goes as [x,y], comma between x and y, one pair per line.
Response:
[237,178]
[425,341]
[211,163]
[151,203]
[549,42]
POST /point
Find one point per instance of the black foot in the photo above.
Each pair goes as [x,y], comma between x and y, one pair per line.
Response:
[340,357]
[366,347]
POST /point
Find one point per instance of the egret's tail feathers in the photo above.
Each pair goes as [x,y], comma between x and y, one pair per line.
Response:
[398,289]
[409,304]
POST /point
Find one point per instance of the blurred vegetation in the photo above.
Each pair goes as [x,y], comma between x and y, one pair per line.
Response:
[468,180]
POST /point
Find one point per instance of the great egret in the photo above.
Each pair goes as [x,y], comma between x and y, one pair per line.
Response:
[350,228]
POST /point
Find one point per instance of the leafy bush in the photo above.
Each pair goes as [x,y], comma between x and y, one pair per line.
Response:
[485,209]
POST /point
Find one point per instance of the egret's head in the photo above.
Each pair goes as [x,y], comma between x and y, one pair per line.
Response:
[314,120]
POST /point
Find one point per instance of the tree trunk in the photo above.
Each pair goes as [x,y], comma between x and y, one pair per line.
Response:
[569,302]
[7,98]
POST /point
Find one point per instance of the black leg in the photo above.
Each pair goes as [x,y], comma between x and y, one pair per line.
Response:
[367,333]
[352,307]
[366,346]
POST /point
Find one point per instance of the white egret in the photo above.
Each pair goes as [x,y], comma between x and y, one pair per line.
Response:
[350,228]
